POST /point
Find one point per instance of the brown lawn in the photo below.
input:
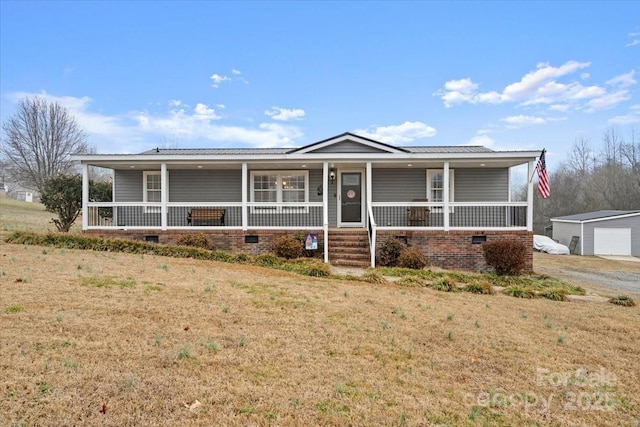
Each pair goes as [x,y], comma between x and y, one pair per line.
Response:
[185,342]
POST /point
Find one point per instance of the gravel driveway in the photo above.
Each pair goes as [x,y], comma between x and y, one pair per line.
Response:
[616,275]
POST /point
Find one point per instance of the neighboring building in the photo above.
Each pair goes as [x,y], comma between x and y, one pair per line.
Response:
[600,233]
[24,195]
[352,193]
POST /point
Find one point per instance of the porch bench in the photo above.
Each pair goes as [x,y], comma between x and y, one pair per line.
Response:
[418,215]
[206,216]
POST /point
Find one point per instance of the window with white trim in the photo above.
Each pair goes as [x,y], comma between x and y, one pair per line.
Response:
[152,190]
[280,187]
[435,187]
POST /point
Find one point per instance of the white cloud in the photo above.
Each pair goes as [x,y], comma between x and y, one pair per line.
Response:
[627,119]
[284,114]
[136,131]
[201,125]
[483,140]
[396,134]
[607,101]
[623,80]
[218,79]
[534,80]
[635,40]
[203,112]
[524,120]
[236,72]
[541,87]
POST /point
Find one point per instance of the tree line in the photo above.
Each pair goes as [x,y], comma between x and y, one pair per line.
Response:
[593,178]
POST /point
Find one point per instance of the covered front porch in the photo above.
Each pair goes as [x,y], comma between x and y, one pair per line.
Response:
[380,197]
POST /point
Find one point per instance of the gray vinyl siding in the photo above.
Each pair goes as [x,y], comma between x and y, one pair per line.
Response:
[564,231]
[348,147]
[128,186]
[481,185]
[214,186]
[398,185]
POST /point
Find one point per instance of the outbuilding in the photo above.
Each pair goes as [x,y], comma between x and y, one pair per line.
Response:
[607,232]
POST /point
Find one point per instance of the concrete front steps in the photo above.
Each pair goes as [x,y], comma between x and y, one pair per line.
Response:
[349,247]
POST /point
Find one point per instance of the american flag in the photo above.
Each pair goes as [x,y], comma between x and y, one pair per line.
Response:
[543,178]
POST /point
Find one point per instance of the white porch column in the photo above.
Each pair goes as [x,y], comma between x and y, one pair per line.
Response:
[445,195]
[369,189]
[85,196]
[325,209]
[530,196]
[164,195]
[245,192]
[369,199]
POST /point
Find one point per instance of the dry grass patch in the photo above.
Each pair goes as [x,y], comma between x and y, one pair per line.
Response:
[228,344]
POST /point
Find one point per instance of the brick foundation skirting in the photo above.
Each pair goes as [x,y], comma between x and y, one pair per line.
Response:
[224,240]
[446,249]
[456,249]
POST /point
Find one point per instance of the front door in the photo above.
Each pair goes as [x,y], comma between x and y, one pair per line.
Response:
[350,203]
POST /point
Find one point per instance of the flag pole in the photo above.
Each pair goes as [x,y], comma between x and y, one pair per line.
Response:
[544,150]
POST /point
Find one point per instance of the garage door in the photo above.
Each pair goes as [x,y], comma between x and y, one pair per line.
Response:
[612,241]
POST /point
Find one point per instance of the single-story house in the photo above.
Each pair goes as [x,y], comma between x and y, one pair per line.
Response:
[608,232]
[349,192]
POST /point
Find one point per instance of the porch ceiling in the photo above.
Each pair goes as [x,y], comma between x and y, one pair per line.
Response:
[297,164]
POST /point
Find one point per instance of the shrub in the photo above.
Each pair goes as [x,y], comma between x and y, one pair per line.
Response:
[519,292]
[373,276]
[412,258]
[410,281]
[507,257]
[445,284]
[480,287]
[390,253]
[308,267]
[197,240]
[555,294]
[268,260]
[287,246]
[623,300]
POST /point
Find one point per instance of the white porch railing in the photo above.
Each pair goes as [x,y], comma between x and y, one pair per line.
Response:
[119,215]
[475,215]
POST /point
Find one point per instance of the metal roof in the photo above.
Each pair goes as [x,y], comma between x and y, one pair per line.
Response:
[216,151]
[258,151]
[590,216]
[449,149]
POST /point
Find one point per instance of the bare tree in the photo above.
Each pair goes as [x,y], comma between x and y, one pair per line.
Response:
[581,158]
[39,140]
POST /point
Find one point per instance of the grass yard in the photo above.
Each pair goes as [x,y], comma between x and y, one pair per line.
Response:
[102,338]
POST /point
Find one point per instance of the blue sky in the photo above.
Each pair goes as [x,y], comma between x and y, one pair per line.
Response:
[507,75]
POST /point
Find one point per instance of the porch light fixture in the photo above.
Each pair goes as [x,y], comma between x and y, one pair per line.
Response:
[332,175]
